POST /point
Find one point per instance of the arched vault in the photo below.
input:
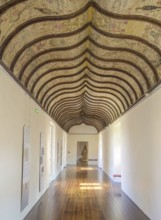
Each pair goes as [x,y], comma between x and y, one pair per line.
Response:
[86,61]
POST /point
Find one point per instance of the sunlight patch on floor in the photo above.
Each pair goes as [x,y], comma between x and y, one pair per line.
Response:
[90,186]
[87,168]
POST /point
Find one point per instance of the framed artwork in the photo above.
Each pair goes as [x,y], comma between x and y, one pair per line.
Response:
[25,168]
[41,162]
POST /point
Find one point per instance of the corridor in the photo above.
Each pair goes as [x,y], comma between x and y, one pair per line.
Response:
[84,193]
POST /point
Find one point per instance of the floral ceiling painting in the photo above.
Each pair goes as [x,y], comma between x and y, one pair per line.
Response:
[86,61]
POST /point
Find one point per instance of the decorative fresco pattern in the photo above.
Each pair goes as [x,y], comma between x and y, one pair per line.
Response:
[86,61]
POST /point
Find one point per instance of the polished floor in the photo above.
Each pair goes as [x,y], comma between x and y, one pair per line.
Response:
[84,193]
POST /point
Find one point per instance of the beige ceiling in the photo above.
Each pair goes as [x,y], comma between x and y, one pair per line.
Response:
[82,61]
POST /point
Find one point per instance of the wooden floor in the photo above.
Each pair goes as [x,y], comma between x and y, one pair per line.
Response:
[84,193]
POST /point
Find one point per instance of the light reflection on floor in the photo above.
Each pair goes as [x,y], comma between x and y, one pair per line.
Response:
[90,186]
[87,168]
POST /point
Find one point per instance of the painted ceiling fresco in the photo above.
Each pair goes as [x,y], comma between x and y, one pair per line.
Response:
[86,61]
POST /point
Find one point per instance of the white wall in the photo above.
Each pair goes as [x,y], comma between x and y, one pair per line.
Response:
[83,129]
[82,133]
[16,110]
[110,150]
[140,140]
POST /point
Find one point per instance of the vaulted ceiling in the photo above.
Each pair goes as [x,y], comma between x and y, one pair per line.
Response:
[82,61]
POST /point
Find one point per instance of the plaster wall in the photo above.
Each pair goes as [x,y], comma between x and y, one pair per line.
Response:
[140,142]
[18,109]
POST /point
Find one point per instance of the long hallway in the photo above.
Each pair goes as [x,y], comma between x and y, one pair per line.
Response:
[83,193]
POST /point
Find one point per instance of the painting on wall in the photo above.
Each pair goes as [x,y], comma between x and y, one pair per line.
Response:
[58,156]
[61,154]
[25,168]
[41,164]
